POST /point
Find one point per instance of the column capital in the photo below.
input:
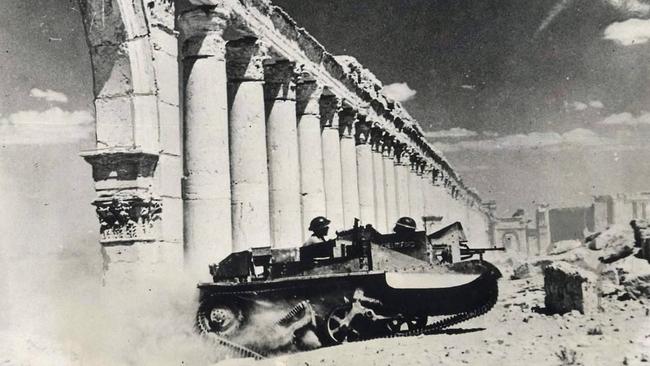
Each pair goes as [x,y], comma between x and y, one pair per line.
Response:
[400,152]
[414,159]
[422,166]
[244,59]
[280,80]
[376,138]
[308,93]
[330,106]
[362,131]
[347,118]
[388,145]
[202,31]
[437,177]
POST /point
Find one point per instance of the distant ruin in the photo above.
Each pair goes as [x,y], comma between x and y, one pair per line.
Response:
[551,225]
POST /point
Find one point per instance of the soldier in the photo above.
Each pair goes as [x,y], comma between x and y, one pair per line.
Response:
[404,225]
[319,226]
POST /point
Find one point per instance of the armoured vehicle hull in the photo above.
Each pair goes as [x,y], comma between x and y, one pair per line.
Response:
[366,291]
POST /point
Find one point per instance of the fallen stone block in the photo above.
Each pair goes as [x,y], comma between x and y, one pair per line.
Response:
[635,276]
[564,246]
[568,287]
[521,271]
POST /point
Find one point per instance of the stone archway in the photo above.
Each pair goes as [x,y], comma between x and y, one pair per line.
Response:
[510,241]
[137,160]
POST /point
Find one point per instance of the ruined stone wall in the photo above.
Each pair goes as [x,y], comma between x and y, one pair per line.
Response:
[222,124]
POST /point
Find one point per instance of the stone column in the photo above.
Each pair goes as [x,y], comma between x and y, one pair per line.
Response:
[392,213]
[349,167]
[332,174]
[365,173]
[426,190]
[402,172]
[206,181]
[414,191]
[249,181]
[282,150]
[422,173]
[376,141]
[310,151]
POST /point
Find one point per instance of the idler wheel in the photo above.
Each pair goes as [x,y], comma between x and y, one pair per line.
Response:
[340,324]
[222,319]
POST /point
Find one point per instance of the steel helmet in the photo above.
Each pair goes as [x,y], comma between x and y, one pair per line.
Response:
[405,223]
[318,222]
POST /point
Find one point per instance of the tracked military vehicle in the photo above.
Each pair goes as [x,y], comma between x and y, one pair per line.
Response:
[361,286]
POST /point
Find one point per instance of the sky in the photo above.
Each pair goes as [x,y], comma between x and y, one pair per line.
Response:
[543,101]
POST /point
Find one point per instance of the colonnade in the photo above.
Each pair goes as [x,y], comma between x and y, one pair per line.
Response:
[268,147]
[275,131]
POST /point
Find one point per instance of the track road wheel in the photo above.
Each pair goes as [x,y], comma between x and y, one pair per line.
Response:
[221,319]
[341,325]
[417,322]
[413,323]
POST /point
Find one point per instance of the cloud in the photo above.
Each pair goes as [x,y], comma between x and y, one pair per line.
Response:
[596,104]
[533,140]
[626,119]
[53,126]
[629,32]
[49,95]
[400,92]
[454,132]
[579,106]
[558,8]
[630,7]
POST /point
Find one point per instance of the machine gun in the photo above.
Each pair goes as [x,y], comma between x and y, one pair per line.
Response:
[466,252]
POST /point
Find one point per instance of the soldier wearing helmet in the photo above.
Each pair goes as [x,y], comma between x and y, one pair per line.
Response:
[404,225]
[319,226]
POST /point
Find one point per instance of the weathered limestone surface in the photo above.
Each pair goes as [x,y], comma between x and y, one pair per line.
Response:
[332,173]
[251,225]
[206,188]
[390,183]
[312,188]
[414,198]
[365,173]
[402,171]
[379,181]
[568,288]
[282,147]
[349,179]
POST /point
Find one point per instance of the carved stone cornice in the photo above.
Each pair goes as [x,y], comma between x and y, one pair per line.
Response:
[121,164]
[280,80]
[329,106]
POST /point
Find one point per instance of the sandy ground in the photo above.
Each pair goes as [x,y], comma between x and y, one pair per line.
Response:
[512,333]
